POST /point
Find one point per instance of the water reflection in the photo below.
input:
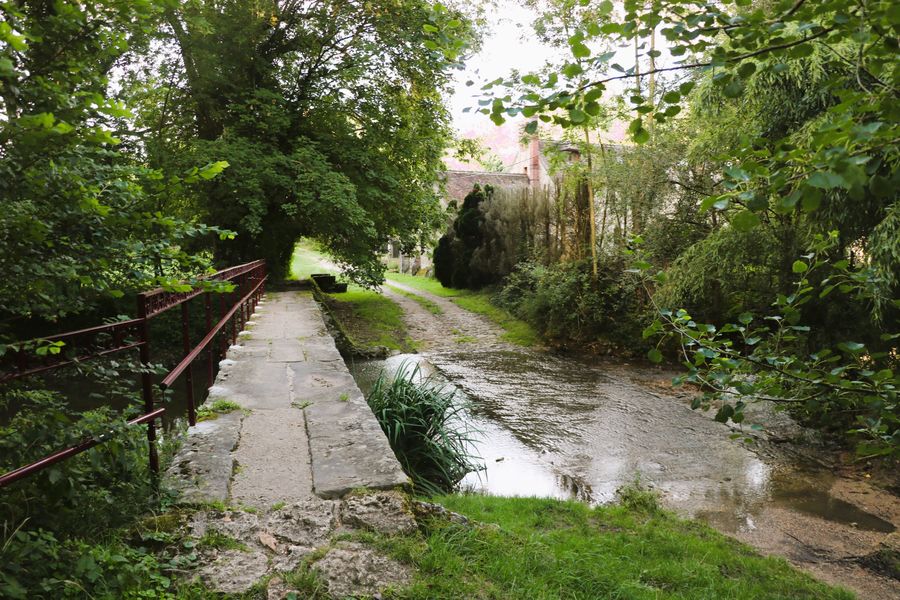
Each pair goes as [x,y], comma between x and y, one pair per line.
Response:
[562,428]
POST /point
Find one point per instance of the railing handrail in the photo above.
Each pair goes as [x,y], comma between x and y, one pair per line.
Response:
[117,330]
[78,332]
[251,278]
[56,457]
[158,296]
[169,379]
[160,300]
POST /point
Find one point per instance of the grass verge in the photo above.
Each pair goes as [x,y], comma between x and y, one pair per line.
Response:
[516,331]
[370,319]
[422,301]
[542,549]
[367,318]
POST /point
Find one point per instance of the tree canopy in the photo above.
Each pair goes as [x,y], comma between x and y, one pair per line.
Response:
[330,115]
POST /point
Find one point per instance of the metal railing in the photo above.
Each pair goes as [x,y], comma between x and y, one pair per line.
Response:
[235,309]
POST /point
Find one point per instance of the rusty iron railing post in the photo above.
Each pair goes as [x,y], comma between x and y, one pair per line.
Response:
[147,381]
[233,319]
[189,372]
[222,312]
[210,372]
[249,286]
[244,316]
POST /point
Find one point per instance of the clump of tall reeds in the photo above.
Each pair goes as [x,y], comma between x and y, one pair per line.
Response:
[422,419]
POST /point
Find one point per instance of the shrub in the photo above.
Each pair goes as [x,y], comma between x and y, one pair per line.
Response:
[564,301]
[85,494]
[423,423]
[724,274]
[48,521]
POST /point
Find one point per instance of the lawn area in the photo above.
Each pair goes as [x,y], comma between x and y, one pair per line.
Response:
[305,261]
[371,319]
[421,300]
[517,331]
[368,318]
[427,284]
[547,549]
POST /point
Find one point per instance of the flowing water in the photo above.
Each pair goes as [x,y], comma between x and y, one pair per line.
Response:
[574,429]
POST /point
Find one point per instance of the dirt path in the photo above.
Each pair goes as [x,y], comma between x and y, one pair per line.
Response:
[455,328]
[589,422]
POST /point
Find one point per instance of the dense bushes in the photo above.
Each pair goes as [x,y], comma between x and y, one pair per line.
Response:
[453,256]
[494,231]
[565,302]
[724,274]
[54,524]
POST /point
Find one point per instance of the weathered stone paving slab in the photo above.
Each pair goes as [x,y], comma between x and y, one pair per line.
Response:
[272,542]
[305,427]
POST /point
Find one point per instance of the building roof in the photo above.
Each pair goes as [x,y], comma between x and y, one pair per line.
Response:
[458,184]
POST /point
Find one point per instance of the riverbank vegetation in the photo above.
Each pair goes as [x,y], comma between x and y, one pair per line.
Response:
[747,228]
[423,421]
[145,143]
[541,548]
[371,321]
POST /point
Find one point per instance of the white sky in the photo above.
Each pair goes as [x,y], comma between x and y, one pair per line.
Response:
[511,44]
[508,45]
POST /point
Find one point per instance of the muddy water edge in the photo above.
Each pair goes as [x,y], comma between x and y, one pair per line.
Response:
[580,428]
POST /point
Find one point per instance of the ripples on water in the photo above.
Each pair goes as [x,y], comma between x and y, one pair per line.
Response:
[564,428]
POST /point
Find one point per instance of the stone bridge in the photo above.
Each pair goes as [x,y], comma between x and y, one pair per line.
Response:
[303,426]
[302,460]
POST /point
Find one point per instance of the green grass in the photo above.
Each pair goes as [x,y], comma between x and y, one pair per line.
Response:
[368,318]
[211,410]
[426,284]
[371,319]
[422,301]
[547,549]
[221,541]
[421,418]
[516,331]
[374,328]
[305,261]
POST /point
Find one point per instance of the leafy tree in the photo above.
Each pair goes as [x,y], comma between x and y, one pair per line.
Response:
[330,115]
[79,221]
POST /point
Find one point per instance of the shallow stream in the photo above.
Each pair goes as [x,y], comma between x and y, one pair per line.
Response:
[574,429]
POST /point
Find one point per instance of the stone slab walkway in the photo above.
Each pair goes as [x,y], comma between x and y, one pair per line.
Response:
[304,427]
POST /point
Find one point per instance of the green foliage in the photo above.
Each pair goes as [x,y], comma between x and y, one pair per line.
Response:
[423,421]
[453,255]
[46,516]
[81,220]
[493,231]
[86,493]
[38,565]
[724,274]
[846,385]
[638,498]
[542,548]
[564,301]
[330,115]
